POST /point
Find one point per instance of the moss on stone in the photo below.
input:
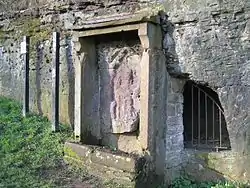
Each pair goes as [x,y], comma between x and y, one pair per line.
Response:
[28,27]
[212,161]
[202,156]
[32,28]
[70,153]
[209,160]
[5,35]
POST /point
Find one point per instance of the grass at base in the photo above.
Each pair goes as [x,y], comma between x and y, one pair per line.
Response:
[27,147]
[32,156]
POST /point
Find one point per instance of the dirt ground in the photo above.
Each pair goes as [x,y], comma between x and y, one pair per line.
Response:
[65,176]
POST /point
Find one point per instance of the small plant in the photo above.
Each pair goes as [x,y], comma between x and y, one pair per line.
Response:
[182,182]
[185,182]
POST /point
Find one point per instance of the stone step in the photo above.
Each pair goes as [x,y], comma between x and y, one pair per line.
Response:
[104,163]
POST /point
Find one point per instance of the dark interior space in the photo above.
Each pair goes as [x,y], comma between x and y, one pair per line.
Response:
[118,36]
[204,122]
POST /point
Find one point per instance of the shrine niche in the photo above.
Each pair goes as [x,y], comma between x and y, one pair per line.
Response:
[116,71]
[119,70]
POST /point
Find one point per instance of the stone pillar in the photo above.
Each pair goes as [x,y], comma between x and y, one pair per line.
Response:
[151,41]
[79,60]
[86,125]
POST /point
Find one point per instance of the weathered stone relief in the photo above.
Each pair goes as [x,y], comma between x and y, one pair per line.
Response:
[119,64]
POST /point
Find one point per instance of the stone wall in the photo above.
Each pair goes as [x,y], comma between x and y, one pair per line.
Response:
[209,40]
[40,68]
[64,16]
[174,133]
[212,43]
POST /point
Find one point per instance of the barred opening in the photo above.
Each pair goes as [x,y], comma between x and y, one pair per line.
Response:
[203,116]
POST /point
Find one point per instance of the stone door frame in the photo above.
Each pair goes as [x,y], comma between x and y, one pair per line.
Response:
[151,39]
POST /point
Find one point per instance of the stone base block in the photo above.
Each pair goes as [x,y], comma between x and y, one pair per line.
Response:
[214,166]
[105,164]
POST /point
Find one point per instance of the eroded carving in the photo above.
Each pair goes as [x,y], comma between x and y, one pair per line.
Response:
[119,85]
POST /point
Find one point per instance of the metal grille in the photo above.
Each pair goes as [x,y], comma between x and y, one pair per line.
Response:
[207,122]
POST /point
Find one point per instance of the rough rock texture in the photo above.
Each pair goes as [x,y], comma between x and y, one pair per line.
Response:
[127,170]
[174,133]
[217,165]
[11,72]
[119,64]
[212,45]
[61,15]
[11,78]
[210,41]
[118,167]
